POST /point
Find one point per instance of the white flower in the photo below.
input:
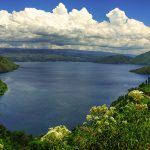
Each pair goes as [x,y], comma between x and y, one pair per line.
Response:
[112,119]
[1,146]
[98,122]
[96,118]
[124,122]
[88,117]
[57,133]
[112,108]
[99,131]
[84,123]
[106,116]
[106,123]
[136,95]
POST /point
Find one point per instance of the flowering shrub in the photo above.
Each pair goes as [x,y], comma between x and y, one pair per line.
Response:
[55,134]
[101,117]
[124,122]
[125,127]
[136,95]
[141,106]
[1,147]
[98,112]
[54,137]
[88,117]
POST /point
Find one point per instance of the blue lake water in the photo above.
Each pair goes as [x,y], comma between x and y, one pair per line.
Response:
[46,94]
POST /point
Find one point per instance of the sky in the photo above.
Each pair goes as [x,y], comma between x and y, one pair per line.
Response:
[121,26]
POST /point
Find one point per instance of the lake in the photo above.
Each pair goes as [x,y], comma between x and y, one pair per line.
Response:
[47,94]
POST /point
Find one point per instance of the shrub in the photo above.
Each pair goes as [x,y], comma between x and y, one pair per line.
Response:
[136,95]
[55,137]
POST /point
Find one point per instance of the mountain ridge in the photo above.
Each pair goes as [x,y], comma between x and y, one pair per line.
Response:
[142,59]
[59,55]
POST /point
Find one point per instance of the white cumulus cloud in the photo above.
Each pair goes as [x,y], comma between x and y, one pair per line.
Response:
[32,28]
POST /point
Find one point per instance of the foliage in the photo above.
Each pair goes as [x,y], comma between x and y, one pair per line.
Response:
[14,140]
[113,129]
[1,145]
[55,137]
[3,87]
[136,95]
[7,65]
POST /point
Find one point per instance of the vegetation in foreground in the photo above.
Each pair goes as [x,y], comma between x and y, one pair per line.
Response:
[143,70]
[124,125]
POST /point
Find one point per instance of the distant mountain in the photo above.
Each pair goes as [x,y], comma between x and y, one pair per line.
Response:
[62,55]
[69,52]
[143,70]
[142,59]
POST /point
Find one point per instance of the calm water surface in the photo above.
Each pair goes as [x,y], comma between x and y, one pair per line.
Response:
[46,94]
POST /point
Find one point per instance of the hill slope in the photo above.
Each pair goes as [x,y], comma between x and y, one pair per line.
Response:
[7,65]
[142,59]
[116,59]
[143,70]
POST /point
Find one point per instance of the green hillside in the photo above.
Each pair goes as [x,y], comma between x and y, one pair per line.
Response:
[143,70]
[142,59]
[7,65]
[3,88]
[116,59]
